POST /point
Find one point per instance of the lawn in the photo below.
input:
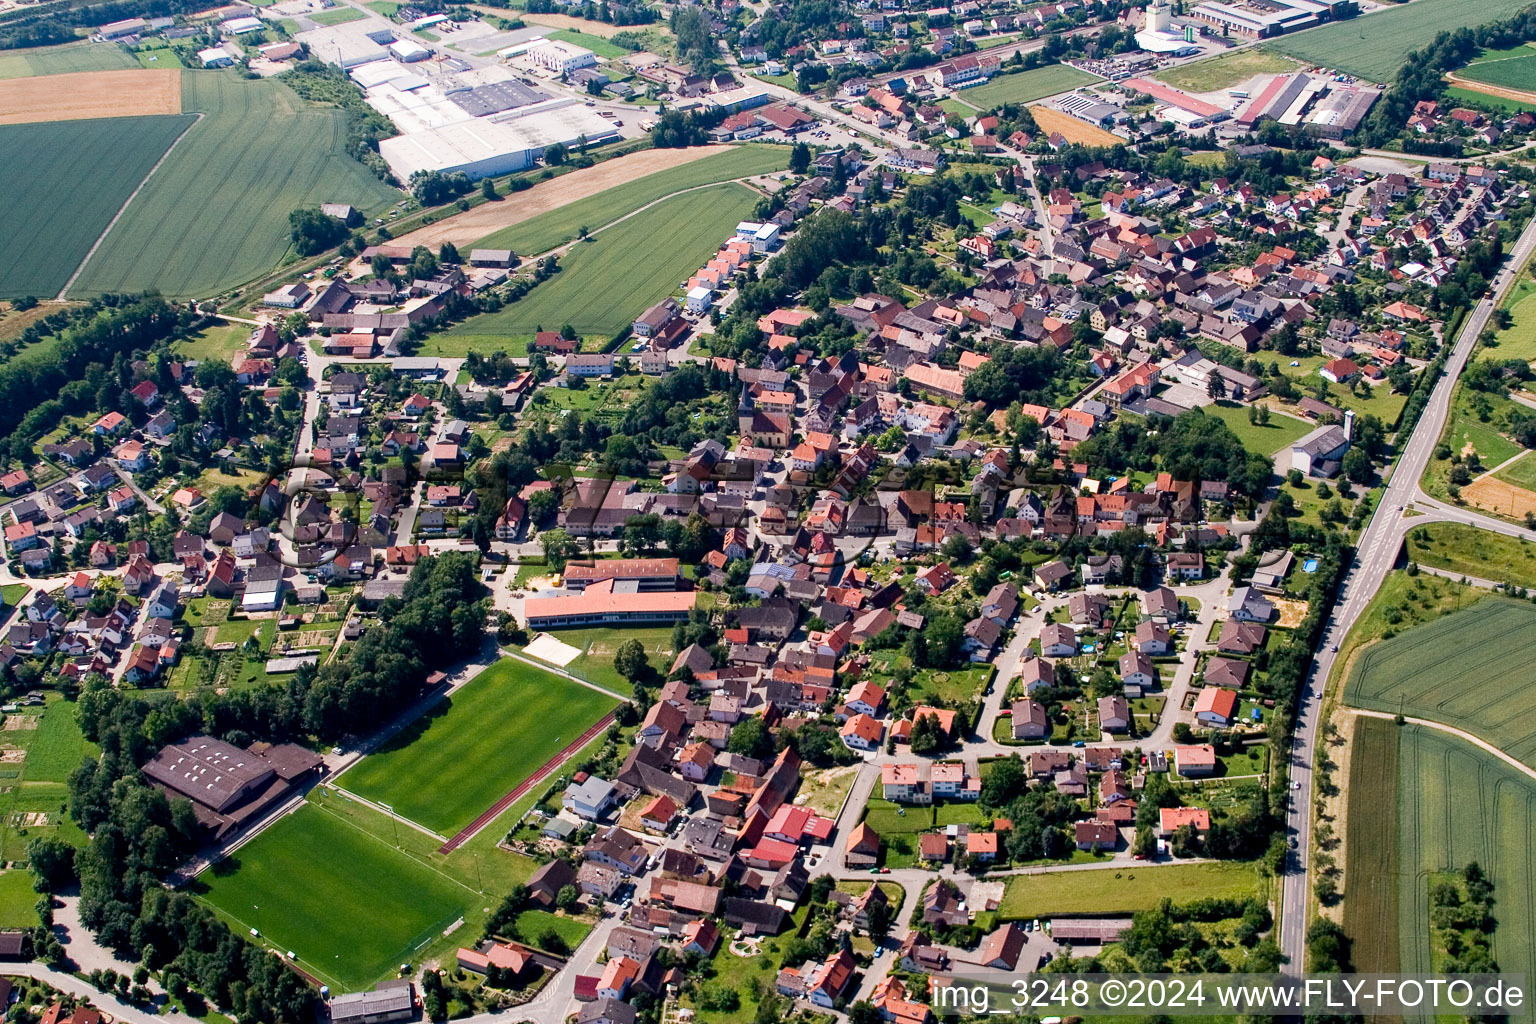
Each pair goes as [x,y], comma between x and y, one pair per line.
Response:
[824,790]
[1376,46]
[1470,670]
[1454,804]
[548,230]
[216,344]
[351,906]
[1123,890]
[1278,434]
[1027,86]
[533,923]
[597,44]
[18,900]
[215,215]
[1225,71]
[599,644]
[603,285]
[65,182]
[474,747]
[61,60]
[337,16]
[1468,551]
[155,57]
[57,746]
[1521,472]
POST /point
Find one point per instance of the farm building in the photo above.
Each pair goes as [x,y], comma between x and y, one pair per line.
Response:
[484,146]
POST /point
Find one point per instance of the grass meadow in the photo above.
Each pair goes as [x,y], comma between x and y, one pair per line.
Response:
[1376,45]
[1468,551]
[1224,71]
[216,213]
[65,182]
[1266,439]
[1514,68]
[1470,670]
[597,44]
[468,751]
[604,284]
[1123,890]
[1027,86]
[1449,804]
[555,228]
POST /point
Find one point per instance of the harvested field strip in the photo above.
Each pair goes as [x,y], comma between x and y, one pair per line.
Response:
[1470,670]
[216,213]
[1485,92]
[1371,881]
[1497,495]
[61,60]
[563,225]
[86,95]
[68,179]
[1052,120]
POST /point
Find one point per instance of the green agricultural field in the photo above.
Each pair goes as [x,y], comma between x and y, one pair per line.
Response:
[61,60]
[603,285]
[1123,889]
[1376,45]
[337,16]
[66,180]
[350,905]
[1450,804]
[1266,440]
[1225,71]
[57,747]
[1512,68]
[555,228]
[597,44]
[1027,86]
[215,215]
[470,750]
[1470,670]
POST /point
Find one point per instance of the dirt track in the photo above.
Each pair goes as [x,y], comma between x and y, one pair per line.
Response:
[83,94]
[473,225]
[1492,90]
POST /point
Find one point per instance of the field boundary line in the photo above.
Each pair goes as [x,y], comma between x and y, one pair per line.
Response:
[594,232]
[1460,734]
[197,119]
[398,849]
[374,805]
[543,772]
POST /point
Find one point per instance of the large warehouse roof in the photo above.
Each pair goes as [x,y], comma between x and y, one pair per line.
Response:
[468,144]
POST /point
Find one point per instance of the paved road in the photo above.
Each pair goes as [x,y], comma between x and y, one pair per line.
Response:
[1375,556]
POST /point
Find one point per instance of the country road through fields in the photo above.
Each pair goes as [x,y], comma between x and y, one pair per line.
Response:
[1375,556]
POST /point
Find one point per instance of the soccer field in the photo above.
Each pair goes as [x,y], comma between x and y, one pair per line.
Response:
[604,284]
[1026,86]
[1471,670]
[1374,46]
[1430,803]
[64,182]
[470,750]
[548,230]
[350,905]
[215,215]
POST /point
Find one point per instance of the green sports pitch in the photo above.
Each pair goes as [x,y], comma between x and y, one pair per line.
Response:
[347,903]
[475,747]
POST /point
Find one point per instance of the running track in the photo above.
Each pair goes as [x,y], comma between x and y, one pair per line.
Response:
[523,787]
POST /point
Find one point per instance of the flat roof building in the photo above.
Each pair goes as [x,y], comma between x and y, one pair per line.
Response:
[390,1001]
[487,146]
[608,603]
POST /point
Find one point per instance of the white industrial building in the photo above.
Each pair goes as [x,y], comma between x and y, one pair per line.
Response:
[408,51]
[486,146]
[348,45]
[561,57]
